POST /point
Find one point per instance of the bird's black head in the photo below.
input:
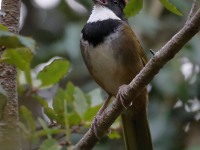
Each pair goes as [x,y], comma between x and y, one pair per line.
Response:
[116,6]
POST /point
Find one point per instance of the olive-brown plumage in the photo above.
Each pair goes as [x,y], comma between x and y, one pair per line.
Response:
[114,57]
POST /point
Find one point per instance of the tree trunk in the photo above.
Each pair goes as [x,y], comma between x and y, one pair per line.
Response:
[9,131]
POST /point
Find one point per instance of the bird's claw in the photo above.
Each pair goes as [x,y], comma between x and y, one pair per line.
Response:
[122,93]
[94,126]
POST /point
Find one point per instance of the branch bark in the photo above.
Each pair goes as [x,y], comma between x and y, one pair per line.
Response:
[166,53]
[9,136]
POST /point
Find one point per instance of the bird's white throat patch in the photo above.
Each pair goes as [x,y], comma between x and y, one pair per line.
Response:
[100,13]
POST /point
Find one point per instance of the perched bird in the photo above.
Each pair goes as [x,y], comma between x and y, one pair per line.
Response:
[114,57]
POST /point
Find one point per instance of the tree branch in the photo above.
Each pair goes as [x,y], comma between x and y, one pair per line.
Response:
[192,10]
[166,53]
[9,138]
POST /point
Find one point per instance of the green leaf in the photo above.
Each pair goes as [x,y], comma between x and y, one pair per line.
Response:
[74,119]
[70,92]
[114,135]
[80,103]
[50,144]
[51,114]
[171,7]
[91,112]
[58,102]
[42,133]
[11,40]
[133,7]
[27,115]
[27,73]
[20,57]
[54,71]
[47,110]
[41,101]
[45,127]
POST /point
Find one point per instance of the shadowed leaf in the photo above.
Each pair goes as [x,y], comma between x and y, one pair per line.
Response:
[169,6]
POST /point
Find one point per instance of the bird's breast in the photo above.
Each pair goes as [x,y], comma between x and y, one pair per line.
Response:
[104,64]
[110,54]
[104,67]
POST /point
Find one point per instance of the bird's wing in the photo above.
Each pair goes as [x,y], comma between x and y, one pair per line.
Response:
[135,43]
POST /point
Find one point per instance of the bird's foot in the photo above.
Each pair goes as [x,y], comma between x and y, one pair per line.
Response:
[98,116]
[94,126]
[122,94]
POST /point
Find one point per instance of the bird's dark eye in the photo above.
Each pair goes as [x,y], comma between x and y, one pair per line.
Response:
[115,2]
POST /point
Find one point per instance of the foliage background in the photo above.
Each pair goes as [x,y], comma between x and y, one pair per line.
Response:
[174,106]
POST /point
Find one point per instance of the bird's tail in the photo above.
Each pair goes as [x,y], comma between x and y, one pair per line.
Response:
[135,126]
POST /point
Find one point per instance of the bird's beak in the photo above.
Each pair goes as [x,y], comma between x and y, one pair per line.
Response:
[101,2]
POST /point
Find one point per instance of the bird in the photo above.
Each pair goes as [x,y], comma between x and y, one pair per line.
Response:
[114,56]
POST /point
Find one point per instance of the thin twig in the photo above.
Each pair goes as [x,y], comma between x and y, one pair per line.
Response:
[192,11]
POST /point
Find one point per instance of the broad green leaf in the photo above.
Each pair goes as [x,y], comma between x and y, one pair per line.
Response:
[69,97]
[74,119]
[58,102]
[11,40]
[91,112]
[27,115]
[70,91]
[168,5]
[133,7]
[50,144]
[20,57]
[80,103]
[55,70]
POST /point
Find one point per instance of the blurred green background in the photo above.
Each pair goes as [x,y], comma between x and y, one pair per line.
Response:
[174,105]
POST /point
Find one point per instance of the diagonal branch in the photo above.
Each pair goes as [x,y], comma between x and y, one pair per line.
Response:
[166,53]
